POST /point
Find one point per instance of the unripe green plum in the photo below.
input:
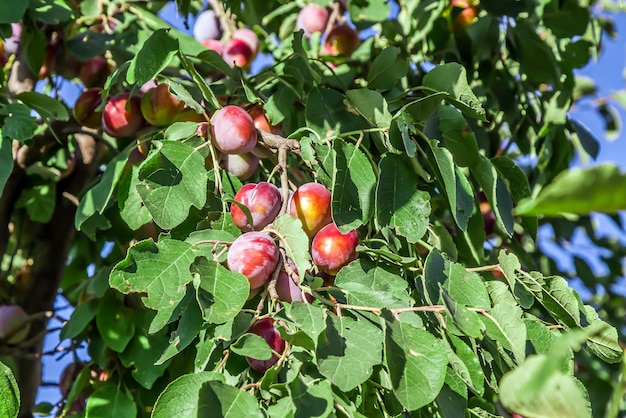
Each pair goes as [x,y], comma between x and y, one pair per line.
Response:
[242,166]
[255,255]
[311,203]
[263,200]
[265,328]
[331,250]
[159,107]
[233,130]
[13,324]
[85,108]
[120,122]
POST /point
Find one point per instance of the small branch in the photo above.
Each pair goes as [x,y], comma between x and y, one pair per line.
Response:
[227,24]
[284,178]
[275,142]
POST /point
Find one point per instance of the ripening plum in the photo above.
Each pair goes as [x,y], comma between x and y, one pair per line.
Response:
[265,328]
[214,45]
[249,37]
[255,255]
[311,203]
[233,130]
[331,250]
[341,40]
[264,202]
[85,108]
[261,122]
[11,44]
[159,107]
[242,166]
[312,18]
[238,53]
[286,289]
[13,324]
[207,26]
[120,122]
[94,71]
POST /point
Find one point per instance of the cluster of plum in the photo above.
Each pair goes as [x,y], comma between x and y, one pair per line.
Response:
[255,254]
[340,39]
[239,49]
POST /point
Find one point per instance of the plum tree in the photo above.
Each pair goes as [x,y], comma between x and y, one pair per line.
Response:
[255,255]
[265,328]
[331,250]
[190,197]
[233,130]
[263,200]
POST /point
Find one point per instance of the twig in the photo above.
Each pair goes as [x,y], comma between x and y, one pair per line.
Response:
[284,178]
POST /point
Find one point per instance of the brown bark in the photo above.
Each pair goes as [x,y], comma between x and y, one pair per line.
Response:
[53,242]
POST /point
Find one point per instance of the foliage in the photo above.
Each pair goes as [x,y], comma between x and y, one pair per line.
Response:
[445,148]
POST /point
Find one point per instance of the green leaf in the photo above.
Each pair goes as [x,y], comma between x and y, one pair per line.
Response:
[97,198]
[189,326]
[294,240]
[161,271]
[19,124]
[141,357]
[81,317]
[172,179]
[155,54]
[367,283]
[46,106]
[221,293]
[181,397]
[603,341]
[466,287]
[39,201]
[9,393]
[328,114]
[6,160]
[252,345]
[207,93]
[399,204]
[539,389]
[219,400]
[466,321]
[371,105]
[497,194]
[455,185]
[109,401]
[310,319]
[132,209]
[311,399]
[353,187]
[12,11]
[416,362]
[465,363]
[365,13]
[504,322]
[536,59]
[115,324]
[434,276]
[579,191]
[386,69]
[49,12]
[457,136]
[452,79]
[349,351]
[555,295]
[566,18]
